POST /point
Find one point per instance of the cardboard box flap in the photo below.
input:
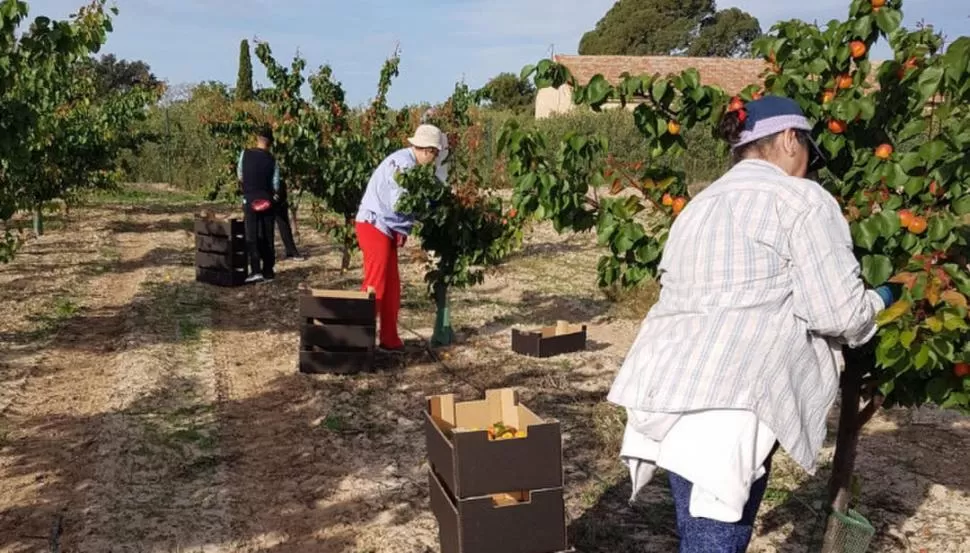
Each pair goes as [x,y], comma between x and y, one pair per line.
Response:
[341,294]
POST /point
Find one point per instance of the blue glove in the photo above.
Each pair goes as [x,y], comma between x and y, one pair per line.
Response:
[889,293]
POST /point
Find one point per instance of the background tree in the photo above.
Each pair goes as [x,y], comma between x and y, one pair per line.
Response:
[244,82]
[111,74]
[726,34]
[37,99]
[670,27]
[507,91]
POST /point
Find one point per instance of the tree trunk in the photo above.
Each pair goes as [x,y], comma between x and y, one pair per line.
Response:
[38,220]
[348,244]
[852,418]
[443,333]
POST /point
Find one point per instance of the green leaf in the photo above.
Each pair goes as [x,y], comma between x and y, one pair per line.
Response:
[961,206]
[527,71]
[938,389]
[888,223]
[598,90]
[892,313]
[939,228]
[922,357]
[888,20]
[907,337]
[876,269]
[932,151]
[929,81]
[865,233]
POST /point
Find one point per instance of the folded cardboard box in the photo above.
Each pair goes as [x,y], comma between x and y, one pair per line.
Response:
[549,341]
[496,445]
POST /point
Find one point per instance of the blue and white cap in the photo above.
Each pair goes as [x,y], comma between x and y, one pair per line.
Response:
[773,114]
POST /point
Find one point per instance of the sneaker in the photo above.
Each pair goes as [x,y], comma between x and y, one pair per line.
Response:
[269,278]
[296,257]
[255,277]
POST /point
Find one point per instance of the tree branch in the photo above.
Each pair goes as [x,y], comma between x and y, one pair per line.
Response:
[870,410]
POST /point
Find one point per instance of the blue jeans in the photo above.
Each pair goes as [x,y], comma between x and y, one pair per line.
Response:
[702,535]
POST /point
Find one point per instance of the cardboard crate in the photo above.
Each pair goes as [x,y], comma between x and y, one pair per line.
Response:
[550,341]
[338,331]
[518,522]
[220,252]
[471,465]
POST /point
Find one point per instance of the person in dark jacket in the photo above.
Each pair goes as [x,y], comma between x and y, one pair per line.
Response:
[282,208]
[259,178]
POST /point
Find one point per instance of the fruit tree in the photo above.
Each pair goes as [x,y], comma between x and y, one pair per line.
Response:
[461,224]
[896,133]
[41,103]
[566,184]
[352,147]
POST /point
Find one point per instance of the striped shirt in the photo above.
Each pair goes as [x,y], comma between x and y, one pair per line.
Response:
[760,289]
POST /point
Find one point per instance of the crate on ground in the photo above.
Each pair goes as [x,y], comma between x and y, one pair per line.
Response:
[549,341]
[495,477]
[517,522]
[220,251]
[338,331]
[473,462]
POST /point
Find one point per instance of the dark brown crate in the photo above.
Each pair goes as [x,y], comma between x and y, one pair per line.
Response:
[337,337]
[221,261]
[549,341]
[478,525]
[336,362]
[216,227]
[219,244]
[338,306]
[220,278]
[471,466]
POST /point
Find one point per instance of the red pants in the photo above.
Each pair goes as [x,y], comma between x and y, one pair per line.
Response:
[381,273]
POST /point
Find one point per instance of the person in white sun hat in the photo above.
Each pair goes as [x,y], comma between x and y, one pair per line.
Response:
[441,162]
[381,230]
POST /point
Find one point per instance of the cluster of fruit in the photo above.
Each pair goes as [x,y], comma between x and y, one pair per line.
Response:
[676,203]
[912,222]
[499,431]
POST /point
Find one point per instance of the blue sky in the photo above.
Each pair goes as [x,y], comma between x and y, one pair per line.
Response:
[188,41]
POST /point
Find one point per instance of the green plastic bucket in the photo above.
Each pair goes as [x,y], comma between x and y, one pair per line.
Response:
[853,532]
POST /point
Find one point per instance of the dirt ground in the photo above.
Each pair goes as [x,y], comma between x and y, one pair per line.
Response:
[142,411]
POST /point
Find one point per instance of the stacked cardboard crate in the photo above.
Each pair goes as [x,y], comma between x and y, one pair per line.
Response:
[338,331]
[496,478]
[220,251]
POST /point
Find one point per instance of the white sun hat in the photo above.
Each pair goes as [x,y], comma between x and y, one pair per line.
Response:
[426,136]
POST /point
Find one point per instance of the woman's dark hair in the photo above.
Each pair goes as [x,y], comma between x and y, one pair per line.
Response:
[731,127]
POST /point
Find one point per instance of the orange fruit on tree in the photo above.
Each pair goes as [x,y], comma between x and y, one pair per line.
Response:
[936,189]
[836,126]
[679,204]
[828,96]
[906,218]
[961,370]
[844,81]
[857,48]
[673,128]
[883,151]
[736,104]
[878,3]
[668,200]
[917,225]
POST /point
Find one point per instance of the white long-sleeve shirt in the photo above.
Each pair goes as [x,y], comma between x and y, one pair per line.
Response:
[759,289]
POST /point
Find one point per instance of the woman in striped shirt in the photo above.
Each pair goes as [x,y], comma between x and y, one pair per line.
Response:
[742,352]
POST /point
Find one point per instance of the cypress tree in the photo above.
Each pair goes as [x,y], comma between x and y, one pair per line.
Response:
[244,82]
